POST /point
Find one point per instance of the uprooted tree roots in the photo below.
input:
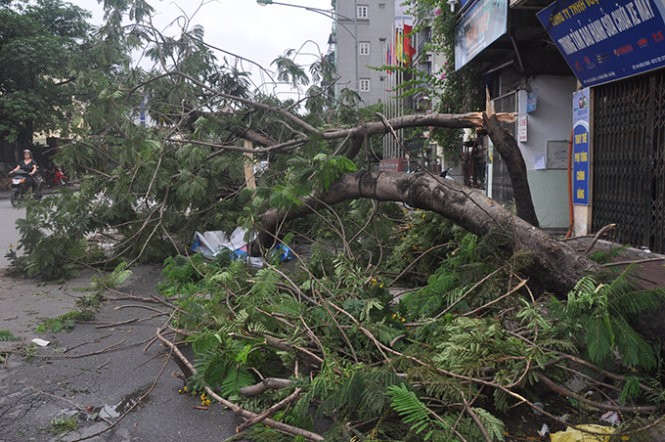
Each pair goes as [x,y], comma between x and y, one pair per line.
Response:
[327,342]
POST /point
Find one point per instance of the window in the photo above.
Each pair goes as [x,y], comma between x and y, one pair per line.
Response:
[363,48]
[363,85]
[363,11]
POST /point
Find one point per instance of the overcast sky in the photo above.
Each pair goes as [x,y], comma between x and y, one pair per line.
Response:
[260,33]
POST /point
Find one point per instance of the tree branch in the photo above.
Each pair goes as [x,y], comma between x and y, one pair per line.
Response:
[555,265]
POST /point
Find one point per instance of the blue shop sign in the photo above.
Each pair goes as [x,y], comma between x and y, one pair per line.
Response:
[581,136]
[483,22]
[607,40]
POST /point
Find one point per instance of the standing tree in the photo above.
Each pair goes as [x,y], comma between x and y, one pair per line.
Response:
[44,47]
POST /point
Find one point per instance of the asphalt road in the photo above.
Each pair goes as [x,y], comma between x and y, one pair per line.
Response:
[106,363]
[8,233]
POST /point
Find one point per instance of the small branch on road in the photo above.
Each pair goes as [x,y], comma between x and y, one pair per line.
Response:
[279,426]
[132,321]
[60,398]
[270,411]
[147,307]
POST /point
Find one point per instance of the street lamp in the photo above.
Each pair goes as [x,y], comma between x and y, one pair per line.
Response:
[334,17]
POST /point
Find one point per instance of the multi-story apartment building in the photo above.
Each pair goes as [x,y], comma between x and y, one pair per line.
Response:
[361,34]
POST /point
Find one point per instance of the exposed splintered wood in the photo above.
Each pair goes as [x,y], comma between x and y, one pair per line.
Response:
[556,266]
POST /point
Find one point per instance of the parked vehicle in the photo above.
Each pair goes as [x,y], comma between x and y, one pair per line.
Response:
[54,176]
[444,174]
[21,185]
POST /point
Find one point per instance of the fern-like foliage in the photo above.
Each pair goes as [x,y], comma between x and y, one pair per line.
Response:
[118,276]
[494,426]
[234,314]
[411,410]
[447,288]
[600,315]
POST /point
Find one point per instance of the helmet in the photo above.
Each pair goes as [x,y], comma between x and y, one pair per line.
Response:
[27,151]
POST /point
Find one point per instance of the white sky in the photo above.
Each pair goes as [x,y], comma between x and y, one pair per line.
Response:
[260,33]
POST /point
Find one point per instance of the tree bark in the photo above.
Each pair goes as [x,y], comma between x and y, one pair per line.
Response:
[507,147]
[555,266]
[449,121]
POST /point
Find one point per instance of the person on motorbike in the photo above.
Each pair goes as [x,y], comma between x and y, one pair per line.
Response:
[29,166]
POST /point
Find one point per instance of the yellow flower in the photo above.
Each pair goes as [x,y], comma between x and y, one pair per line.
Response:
[185,389]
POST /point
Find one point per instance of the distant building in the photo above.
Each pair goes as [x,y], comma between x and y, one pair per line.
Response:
[360,36]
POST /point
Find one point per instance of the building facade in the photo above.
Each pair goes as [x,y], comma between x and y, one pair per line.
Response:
[587,83]
[360,35]
[525,74]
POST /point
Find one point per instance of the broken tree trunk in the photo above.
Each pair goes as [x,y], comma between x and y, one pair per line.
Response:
[507,147]
[556,266]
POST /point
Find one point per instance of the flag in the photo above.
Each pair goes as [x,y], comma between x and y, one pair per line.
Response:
[399,47]
[409,50]
[389,57]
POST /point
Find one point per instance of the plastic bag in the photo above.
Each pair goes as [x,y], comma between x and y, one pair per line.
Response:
[578,434]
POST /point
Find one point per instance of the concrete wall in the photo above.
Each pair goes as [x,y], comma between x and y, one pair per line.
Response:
[376,30]
[552,120]
[549,192]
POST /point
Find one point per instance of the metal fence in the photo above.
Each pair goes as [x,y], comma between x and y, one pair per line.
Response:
[629,159]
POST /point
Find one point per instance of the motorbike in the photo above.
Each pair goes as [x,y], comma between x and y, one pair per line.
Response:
[54,176]
[21,186]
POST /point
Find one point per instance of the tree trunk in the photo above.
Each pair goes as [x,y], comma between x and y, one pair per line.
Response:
[507,147]
[555,266]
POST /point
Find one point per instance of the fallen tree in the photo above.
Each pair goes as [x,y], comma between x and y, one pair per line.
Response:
[449,359]
[555,265]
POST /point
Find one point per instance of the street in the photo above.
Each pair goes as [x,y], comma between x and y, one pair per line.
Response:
[8,233]
[101,364]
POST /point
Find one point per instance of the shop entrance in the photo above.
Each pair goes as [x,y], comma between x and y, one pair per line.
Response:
[629,159]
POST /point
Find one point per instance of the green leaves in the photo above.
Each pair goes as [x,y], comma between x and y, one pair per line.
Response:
[265,283]
[287,196]
[412,411]
[289,71]
[112,280]
[494,426]
[601,314]
[328,169]
[7,335]
[234,380]
[43,47]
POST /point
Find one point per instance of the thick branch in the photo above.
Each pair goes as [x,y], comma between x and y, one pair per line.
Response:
[507,147]
[450,121]
[555,264]
[253,136]
[265,385]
